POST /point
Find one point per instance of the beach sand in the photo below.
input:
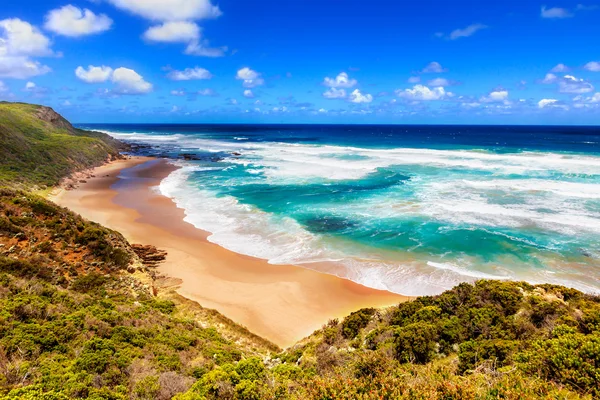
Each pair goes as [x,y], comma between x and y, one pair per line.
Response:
[282,303]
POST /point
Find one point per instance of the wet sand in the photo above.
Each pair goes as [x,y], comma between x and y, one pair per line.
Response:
[282,303]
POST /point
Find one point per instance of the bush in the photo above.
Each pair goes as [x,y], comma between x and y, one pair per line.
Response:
[415,343]
[356,321]
[89,283]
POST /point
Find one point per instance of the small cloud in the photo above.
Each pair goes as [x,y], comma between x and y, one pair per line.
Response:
[433,67]
[439,82]
[249,77]
[340,81]
[173,32]
[593,66]
[568,84]
[421,92]
[549,79]
[248,94]
[130,82]
[551,103]
[357,97]
[94,74]
[496,96]
[334,93]
[177,92]
[190,74]
[466,32]
[75,22]
[172,10]
[414,79]
[560,68]
[581,7]
[460,33]
[555,13]
[19,42]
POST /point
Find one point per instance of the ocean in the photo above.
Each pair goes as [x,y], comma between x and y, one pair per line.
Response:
[410,209]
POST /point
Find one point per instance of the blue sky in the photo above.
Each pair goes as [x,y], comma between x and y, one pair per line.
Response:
[284,61]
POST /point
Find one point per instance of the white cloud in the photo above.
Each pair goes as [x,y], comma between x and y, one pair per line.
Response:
[202,48]
[439,82]
[251,78]
[173,32]
[496,96]
[421,92]
[72,21]
[560,68]
[550,78]
[184,32]
[555,12]
[357,97]
[433,67]
[3,87]
[30,86]
[19,41]
[592,99]
[466,32]
[414,79]
[94,74]
[170,10]
[552,103]
[593,66]
[248,94]
[340,81]
[130,82]
[177,93]
[570,84]
[23,39]
[188,74]
[334,93]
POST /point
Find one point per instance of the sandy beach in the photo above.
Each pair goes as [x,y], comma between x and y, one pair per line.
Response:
[282,303]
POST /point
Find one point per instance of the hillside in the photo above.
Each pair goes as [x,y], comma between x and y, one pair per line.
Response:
[82,315]
[38,147]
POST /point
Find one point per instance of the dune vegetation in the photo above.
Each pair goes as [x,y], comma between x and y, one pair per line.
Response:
[83,315]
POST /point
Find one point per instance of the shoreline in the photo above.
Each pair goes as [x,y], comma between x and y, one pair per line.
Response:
[282,303]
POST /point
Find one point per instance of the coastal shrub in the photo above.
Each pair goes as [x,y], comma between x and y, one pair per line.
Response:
[472,353]
[571,359]
[356,321]
[415,343]
[89,283]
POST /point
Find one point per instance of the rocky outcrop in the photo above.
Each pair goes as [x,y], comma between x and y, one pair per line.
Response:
[47,114]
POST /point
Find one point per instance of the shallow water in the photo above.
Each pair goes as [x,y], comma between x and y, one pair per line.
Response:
[414,210]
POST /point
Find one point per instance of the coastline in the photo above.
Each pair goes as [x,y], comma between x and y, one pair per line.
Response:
[282,303]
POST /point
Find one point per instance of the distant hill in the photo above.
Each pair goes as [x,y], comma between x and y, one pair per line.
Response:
[38,146]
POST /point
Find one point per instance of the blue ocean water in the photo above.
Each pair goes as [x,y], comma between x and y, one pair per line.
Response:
[411,209]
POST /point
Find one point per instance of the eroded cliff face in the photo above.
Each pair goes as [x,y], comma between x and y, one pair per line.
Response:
[47,114]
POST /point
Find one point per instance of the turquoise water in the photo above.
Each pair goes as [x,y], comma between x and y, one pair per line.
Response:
[414,210]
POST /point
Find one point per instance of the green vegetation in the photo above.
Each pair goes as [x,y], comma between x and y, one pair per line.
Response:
[79,317]
[491,340]
[38,147]
[82,316]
